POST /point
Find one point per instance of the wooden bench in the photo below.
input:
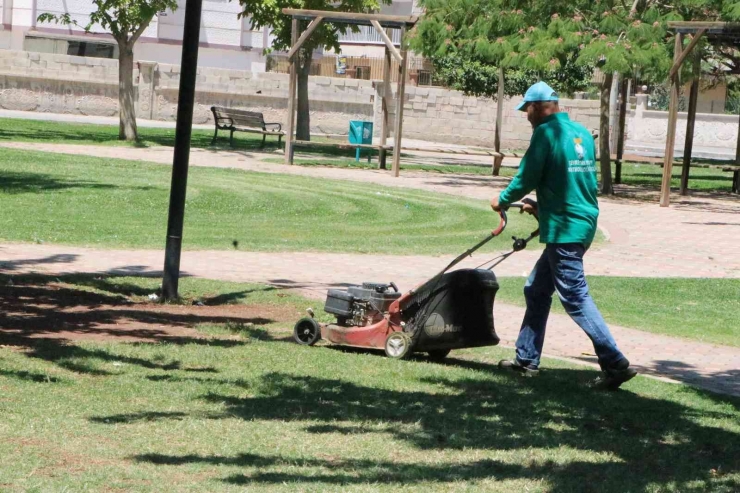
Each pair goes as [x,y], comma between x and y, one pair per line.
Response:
[243,121]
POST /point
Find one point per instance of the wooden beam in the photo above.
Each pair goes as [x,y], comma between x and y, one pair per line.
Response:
[400,97]
[338,145]
[306,34]
[623,103]
[498,160]
[387,41]
[463,152]
[690,120]
[678,62]
[665,188]
[354,17]
[708,25]
[385,122]
[292,86]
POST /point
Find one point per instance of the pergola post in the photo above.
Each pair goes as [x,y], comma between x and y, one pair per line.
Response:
[400,100]
[665,189]
[385,122]
[292,86]
[690,120]
[497,160]
[624,97]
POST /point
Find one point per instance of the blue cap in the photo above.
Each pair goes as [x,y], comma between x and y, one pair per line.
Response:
[538,92]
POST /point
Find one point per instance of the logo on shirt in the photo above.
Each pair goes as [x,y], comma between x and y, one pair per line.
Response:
[580,151]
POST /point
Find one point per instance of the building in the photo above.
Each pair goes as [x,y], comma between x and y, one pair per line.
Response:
[226,41]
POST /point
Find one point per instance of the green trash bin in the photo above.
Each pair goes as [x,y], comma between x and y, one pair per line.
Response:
[360,133]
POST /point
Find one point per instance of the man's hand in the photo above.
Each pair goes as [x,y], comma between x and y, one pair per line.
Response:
[530,206]
[495,204]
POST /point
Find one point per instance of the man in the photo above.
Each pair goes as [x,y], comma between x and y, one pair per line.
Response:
[560,164]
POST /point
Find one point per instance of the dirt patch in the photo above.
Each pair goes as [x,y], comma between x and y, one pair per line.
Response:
[61,311]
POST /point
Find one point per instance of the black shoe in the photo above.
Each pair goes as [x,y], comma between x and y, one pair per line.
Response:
[515,366]
[612,378]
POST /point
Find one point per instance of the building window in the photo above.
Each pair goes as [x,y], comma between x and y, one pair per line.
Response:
[61,46]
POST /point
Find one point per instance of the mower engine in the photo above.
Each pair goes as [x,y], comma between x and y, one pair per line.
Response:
[360,306]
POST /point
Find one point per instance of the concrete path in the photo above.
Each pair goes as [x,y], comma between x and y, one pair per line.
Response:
[698,237]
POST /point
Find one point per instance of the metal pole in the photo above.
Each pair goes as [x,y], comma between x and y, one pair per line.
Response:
[181,160]
[690,121]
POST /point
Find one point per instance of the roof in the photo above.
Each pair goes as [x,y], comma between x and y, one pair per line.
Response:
[717,32]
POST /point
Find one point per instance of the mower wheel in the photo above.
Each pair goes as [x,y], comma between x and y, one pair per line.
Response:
[438,354]
[307,332]
[397,345]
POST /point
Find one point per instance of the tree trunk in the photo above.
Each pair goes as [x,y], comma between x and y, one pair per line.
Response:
[604,151]
[127,112]
[303,119]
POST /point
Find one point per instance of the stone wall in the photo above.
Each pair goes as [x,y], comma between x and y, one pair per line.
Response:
[442,115]
[58,83]
[89,86]
[710,130]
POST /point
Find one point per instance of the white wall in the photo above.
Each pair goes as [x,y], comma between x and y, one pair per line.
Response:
[248,60]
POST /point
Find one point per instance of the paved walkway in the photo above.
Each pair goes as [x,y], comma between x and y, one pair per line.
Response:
[697,237]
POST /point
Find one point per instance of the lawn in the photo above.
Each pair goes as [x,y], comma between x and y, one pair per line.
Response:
[247,410]
[17,130]
[705,310]
[110,203]
[21,130]
[651,176]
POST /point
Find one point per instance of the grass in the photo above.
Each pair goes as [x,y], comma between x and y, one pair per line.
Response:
[651,176]
[18,130]
[257,413]
[21,130]
[705,310]
[110,203]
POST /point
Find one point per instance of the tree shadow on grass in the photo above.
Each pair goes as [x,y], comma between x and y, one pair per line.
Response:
[29,376]
[43,314]
[7,266]
[17,182]
[633,442]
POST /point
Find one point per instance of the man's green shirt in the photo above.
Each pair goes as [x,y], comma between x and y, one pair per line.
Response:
[561,165]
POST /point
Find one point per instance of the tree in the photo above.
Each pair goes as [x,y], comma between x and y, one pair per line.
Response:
[269,13]
[478,78]
[545,36]
[126,20]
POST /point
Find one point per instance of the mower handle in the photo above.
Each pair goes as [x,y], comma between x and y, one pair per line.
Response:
[503,220]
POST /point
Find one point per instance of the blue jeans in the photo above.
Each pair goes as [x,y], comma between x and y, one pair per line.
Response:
[560,269]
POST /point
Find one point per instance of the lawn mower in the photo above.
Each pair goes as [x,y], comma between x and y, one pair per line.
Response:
[452,310]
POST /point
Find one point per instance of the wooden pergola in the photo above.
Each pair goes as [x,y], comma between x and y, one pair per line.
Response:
[717,33]
[380,23]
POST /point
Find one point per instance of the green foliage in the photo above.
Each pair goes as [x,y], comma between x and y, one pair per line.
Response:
[547,37]
[125,19]
[481,79]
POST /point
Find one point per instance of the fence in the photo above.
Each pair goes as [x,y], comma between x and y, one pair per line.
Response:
[420,73]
